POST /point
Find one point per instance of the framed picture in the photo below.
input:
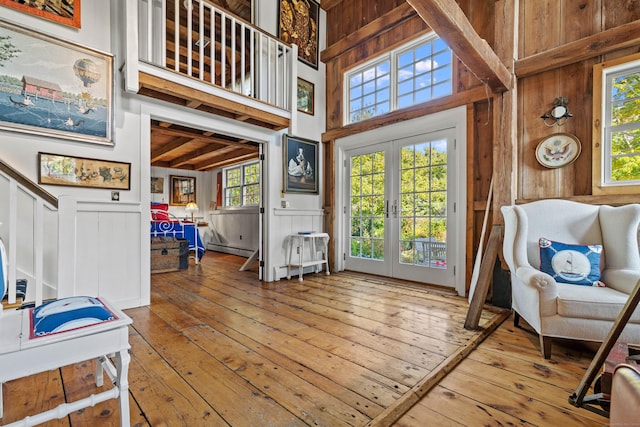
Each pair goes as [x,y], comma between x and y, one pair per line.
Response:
[55,88]
[182,190]
[300,165]
[59,169]
[305,96]
[157,185]
[62,11]
[298,24]
[558,150]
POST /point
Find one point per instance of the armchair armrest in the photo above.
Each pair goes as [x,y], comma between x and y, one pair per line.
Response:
[544,284]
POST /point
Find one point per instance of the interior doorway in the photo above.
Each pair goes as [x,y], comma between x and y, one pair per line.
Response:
[227,177]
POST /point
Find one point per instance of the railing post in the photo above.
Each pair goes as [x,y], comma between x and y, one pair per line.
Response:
[293,89]
[131,46]
[67,214]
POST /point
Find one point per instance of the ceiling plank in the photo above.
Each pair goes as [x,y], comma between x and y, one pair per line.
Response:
[450,23]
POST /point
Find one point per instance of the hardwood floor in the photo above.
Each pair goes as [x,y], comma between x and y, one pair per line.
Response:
[219,347]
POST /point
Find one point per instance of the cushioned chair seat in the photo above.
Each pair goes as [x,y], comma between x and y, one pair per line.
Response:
[592,303]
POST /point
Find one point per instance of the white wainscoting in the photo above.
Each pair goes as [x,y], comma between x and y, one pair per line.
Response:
[286,221]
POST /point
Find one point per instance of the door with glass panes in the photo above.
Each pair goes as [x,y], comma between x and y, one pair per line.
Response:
[399,208]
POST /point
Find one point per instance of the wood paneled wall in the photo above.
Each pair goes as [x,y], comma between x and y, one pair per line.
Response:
[358,30]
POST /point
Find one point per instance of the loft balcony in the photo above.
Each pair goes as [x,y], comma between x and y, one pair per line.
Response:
[194,54]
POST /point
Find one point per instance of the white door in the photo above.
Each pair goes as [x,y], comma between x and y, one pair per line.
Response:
[401,203]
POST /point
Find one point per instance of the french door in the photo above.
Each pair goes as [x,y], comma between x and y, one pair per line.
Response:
[401,203]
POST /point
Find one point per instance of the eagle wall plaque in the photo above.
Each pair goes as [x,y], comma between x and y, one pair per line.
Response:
[558,150]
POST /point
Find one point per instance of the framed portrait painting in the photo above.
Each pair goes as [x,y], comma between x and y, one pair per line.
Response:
[55,88]
[59,169]
[300,165]
[65,12]
[298,24]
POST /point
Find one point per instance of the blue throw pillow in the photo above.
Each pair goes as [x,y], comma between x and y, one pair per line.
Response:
[574,264]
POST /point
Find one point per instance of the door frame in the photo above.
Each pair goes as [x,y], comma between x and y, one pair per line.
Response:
[455,118]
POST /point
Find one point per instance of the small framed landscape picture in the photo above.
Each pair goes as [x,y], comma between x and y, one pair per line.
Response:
[305,96]
[59,169]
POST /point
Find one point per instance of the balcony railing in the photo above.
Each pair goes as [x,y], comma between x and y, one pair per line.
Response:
[199,40]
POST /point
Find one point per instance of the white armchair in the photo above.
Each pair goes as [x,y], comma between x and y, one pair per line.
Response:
[562,310]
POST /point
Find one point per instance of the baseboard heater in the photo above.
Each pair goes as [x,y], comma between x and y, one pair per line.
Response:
[233,250]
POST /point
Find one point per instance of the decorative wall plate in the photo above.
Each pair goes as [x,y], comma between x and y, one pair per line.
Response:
[558,150]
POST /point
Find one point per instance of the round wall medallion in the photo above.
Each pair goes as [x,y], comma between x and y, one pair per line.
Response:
[558,150]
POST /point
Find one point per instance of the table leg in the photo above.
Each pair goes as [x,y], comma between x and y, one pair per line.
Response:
[290,255]
[122,382]
[301,251]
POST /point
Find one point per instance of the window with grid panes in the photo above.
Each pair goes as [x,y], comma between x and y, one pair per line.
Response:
[242,185]
[414,73]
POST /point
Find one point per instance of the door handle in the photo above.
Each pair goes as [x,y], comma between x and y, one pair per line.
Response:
[386,209]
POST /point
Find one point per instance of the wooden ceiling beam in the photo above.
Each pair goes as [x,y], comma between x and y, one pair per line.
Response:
[192,156]
[237,156]
[167,148]
[613,39]
[447,19]
[206,137]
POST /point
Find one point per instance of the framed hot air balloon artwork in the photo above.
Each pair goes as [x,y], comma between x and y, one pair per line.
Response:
[53,87]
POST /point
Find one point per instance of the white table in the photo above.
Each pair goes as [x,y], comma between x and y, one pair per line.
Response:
[21,356]
[318,242]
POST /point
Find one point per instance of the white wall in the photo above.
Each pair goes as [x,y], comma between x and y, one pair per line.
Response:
[113,240]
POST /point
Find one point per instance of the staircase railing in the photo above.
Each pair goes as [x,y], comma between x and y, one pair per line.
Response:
[38,230]
[197,39]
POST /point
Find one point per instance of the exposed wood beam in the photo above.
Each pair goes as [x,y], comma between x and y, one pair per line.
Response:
[192,156]
[449,21]
[167,148]
[186,94]
[389,20]
[227,159]
[621,37]
[194,137]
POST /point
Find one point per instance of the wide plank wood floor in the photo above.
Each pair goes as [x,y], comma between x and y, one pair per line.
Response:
[217,347]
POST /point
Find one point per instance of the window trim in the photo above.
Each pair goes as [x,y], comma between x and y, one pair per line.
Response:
[599,142]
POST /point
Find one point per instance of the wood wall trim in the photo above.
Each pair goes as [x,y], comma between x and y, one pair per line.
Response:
[431,107]
[389,20]
[449,21]
[621,37]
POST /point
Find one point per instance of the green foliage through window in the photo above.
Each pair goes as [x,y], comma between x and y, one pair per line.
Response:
[242,185]
[623,126]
